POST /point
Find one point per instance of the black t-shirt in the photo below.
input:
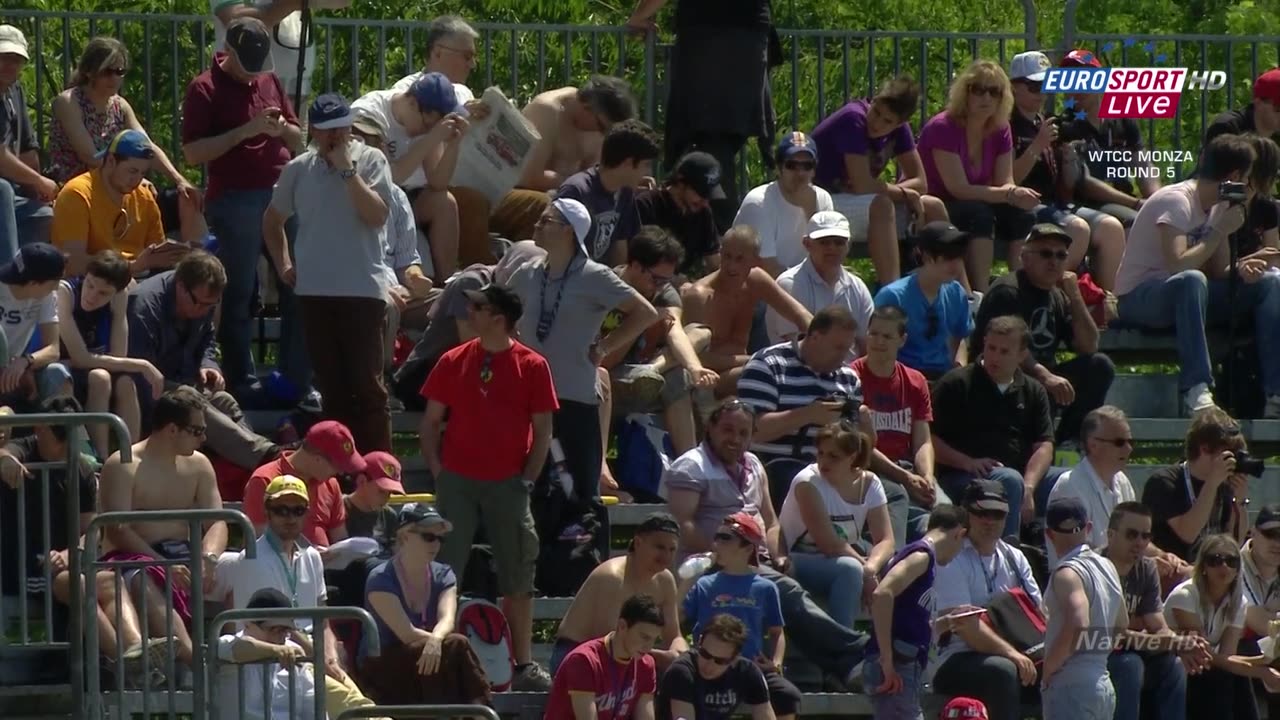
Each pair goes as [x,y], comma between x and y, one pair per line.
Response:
[1042,175]
[1046,312]
[741,684]
[1166,494]
[1111,134]
[974,417]
[24,450]
[1263,215]
[696,231]
[379,524]
[722,13]
[1234,122]
[1141,588]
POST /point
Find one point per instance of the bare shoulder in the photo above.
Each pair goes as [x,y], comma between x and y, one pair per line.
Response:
[699,289]
[197,464]
[666,582]
[759,278]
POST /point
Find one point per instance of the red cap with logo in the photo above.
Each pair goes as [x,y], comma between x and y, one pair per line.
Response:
[963,707]
[383,469]
[746,527]
[1267,87]
[332,441]
[1080,58]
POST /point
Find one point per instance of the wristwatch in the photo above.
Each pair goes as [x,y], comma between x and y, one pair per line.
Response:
[347,174]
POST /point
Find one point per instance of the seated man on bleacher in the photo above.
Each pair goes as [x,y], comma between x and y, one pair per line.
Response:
[715,681]
[29,329]
[276,648]
[721,477]
[726,301]
[682,207]
[25,194]
[992,422]
[661,368]
[644,570]
[369,513]
[108,208]
[972,659]
[171,325]
[612,677]
[1045,294]
[287,563]
[1176,272]
[167,472]
[778,211]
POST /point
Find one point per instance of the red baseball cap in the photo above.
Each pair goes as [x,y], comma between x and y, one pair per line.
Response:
[1267,87]
[963,707]
[383,469]
[1080,58]
[746,527]
[332,441]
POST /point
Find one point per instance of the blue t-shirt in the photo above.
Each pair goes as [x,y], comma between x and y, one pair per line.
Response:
[614,217]
[929,327]
[383,578]
[750,598]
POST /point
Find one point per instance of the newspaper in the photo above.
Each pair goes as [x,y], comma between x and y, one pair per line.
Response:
[495,150]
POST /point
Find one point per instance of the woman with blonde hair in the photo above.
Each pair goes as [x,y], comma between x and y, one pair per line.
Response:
[823,518]
[89,113]
[967,151]
[1211,604]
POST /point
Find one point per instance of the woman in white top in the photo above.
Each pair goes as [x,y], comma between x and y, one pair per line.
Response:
[1211,604]
[827,507]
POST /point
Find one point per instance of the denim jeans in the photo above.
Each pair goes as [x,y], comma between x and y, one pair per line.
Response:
[235,217]
[1148,685]
[993,679]
[1189,302]
[903,705]
[23,220]
[836,649]
[838,579]
[1080,701]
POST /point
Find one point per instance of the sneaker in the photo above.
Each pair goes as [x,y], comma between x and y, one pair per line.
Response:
[637,386]
[531,678]
[1272,410]
[1198,398]
[312,403]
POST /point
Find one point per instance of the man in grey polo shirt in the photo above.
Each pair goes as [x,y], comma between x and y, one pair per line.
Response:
[340,191]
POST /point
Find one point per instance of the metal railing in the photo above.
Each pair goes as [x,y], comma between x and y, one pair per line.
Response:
[195,520]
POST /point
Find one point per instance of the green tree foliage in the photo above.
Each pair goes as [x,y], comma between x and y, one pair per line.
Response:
[834,50]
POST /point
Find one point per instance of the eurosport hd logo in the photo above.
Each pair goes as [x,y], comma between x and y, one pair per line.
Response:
[1141,93]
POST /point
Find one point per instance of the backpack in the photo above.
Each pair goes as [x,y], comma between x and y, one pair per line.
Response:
[644,453]
[486,627]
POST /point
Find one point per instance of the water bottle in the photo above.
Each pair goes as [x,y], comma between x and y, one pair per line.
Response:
[694,566]
[559,471]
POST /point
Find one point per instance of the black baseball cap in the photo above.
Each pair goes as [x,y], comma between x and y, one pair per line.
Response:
[270,599]
[983,494]
[701,172]
[250,41]
[35,263]
[502,300]
[1268,518]
[1048,231]
[1066,514]
[942,238]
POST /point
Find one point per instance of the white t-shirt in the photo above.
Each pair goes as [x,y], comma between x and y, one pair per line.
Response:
[377,104]
[1174,205]
[971,579]
[284,59]
[237,681]
[21,317]
[781,225]
[1082,482]
[847,518]
[241,577]
[803,283]
[462,91]
[1187,598]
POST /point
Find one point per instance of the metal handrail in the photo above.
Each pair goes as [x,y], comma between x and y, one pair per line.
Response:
[315,615]
[195,520]
[419,711]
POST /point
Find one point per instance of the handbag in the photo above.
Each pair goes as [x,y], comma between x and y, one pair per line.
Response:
[1016,617]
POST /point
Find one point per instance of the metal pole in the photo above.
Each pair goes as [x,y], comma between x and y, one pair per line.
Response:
[304,39]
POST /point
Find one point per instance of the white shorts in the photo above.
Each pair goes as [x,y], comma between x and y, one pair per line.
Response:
[857,210]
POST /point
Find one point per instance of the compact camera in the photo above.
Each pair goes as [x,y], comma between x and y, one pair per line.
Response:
[1232,192]
[1248,465]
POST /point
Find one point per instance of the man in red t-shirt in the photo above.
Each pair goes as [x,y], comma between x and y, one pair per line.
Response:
[500,397]
[901,411]
[327,450]
[613,677]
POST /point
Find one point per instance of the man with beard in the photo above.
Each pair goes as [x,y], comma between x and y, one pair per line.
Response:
[644,570]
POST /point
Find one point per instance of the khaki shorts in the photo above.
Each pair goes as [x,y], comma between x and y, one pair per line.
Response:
[503,508]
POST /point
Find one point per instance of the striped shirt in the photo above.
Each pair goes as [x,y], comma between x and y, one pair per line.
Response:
[400,237]
[777,380]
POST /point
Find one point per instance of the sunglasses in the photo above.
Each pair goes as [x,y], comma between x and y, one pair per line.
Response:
[1270,533]
[660,280]
[1217,560]
[799,165]
[286,511]
[724,537]
[117,71]
[989,514]
[1132,535]
[706,655]
[486,371]
[195,430]
[931,324]
[430,537]
[1118,442]
[992,90]
[832,241]
[1047,254]
[1032,85]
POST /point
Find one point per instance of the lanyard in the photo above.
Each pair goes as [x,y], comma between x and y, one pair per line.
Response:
[1215,513]
[995,570]
[617,680]
[290,568]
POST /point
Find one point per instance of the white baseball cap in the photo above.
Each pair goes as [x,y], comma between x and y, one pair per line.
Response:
[578,217]
[828,223]
[12,41]
[1029,66]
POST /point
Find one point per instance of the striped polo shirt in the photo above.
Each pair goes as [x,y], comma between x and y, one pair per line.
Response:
[777,380]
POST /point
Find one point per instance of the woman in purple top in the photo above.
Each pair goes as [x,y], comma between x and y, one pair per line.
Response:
[967,151]
[901,608]
[855,144]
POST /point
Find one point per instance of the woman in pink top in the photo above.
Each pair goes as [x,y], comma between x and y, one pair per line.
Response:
[967,151]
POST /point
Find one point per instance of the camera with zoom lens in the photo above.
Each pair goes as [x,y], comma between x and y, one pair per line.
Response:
[1248,465]
[850,410]
[1232,192]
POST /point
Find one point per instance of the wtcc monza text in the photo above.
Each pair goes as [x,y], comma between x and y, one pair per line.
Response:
[1137,164]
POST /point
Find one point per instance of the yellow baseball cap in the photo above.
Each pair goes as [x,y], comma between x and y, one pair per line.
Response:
[287,485]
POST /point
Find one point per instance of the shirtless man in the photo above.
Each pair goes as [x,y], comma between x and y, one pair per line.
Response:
[645,569]
[167,473]
[725,301]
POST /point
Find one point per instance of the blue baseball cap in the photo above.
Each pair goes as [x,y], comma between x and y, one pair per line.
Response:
[795,143]
[132,144]
[330,111]
[435,93]
[34,263]
[1066,514]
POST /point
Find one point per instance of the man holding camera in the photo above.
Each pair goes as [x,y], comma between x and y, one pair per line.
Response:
[1206,494]
[1177,270]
